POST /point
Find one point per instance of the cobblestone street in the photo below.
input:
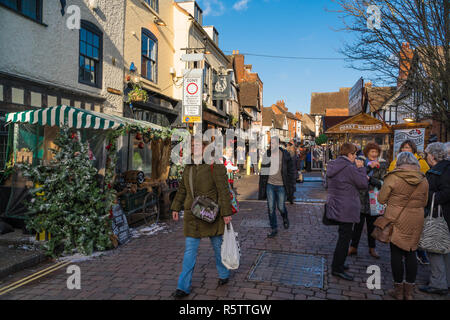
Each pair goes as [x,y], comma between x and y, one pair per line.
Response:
[148,267]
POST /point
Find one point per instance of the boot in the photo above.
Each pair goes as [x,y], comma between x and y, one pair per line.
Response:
[409,290]
[398,291]
[373,253]
[352,251]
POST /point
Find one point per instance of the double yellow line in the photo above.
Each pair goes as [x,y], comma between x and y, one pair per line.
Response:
[33,277]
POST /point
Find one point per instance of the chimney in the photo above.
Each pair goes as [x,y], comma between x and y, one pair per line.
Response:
[405,57]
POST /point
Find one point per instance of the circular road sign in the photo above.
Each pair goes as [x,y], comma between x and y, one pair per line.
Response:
[192,88]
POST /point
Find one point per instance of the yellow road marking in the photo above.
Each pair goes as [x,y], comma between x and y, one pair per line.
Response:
[33,277]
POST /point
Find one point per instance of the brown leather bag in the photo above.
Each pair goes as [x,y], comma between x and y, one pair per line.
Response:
[384,227]
[383,230]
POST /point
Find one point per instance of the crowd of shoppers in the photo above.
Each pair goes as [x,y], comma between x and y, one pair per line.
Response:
[406,193]
[362,191]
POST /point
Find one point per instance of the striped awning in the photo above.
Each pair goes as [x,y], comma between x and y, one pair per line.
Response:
[74,118]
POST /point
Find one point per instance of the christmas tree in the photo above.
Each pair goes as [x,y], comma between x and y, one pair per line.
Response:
[70,203]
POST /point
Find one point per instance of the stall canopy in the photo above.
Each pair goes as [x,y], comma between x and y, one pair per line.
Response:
[360,124]
[75,118]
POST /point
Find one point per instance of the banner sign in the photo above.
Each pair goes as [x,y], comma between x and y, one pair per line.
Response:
[415,135]
[361,127]
[221,87]
[355,98]
[192,96]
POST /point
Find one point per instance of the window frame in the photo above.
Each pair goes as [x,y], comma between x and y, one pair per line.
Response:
[90,27]
[39,10]
[150,35]
[156,2]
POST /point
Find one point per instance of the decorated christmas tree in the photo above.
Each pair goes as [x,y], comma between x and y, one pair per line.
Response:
[69,201]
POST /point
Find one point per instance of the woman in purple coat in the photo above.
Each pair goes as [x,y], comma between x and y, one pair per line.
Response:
[345,177]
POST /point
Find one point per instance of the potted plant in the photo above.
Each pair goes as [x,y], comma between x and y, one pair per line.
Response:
[137,94]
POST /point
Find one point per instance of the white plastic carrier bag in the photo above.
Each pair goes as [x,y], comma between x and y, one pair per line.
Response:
[230,251]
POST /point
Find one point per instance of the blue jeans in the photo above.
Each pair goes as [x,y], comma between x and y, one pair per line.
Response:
[302,164]
[276,197]
[190,257]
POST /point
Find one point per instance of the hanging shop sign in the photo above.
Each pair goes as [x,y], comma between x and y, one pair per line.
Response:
[417,135]
[355,98]
[192,96]
[360,127]
[221,87]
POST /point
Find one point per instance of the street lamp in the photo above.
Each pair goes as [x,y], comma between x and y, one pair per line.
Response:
[159,22]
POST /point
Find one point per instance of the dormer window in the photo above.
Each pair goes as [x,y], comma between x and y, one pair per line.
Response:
[198,14]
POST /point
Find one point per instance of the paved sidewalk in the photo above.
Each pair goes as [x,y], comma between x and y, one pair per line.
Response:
[148,267]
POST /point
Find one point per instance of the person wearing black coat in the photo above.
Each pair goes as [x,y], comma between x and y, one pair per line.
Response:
[277,185]
[439,182]
[376,170]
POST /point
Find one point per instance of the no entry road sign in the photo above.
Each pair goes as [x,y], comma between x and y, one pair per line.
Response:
[192,96]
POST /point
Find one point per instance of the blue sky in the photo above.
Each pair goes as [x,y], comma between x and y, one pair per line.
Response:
[285,28]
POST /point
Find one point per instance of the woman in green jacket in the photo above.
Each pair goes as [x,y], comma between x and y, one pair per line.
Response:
[209,180]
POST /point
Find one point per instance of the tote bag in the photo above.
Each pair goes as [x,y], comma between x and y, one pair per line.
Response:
[435,236]
[376,208]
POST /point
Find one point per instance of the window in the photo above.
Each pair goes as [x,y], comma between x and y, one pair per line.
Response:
[90,60]
[140,159]
[206,76]
[149,55]
[198,14]
[218,104]
[153,4]
[29,8]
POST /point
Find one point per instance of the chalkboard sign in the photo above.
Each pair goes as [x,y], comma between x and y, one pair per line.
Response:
[120,225]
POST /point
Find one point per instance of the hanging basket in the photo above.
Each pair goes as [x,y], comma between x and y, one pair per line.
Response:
[137,96]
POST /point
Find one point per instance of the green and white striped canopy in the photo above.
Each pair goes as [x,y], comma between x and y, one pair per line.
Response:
[74,118]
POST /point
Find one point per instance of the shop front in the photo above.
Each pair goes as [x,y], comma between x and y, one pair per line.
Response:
[32,134]
[215,120]
[360,130]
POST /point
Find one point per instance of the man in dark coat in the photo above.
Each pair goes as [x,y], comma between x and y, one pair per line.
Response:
[276,184]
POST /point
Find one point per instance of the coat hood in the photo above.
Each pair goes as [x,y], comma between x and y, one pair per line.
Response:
[411,175]
[336,166]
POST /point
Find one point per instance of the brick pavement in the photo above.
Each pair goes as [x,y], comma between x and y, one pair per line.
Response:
[148,267]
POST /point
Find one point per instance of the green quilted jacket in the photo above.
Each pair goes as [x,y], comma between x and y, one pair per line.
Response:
[209,181]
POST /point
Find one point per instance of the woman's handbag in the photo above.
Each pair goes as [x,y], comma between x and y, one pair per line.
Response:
[376,208]
[384,227]
[383,230]
[230,251]
[202,207]
[435,236]
[327,221]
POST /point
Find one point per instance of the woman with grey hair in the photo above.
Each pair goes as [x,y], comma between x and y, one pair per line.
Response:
[447,146]
[439,180]
[405,191]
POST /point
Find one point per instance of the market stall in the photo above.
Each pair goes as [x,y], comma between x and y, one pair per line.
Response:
[360,130]
[32,135]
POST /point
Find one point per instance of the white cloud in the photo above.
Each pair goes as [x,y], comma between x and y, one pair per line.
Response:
[213,7]
[241,5]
